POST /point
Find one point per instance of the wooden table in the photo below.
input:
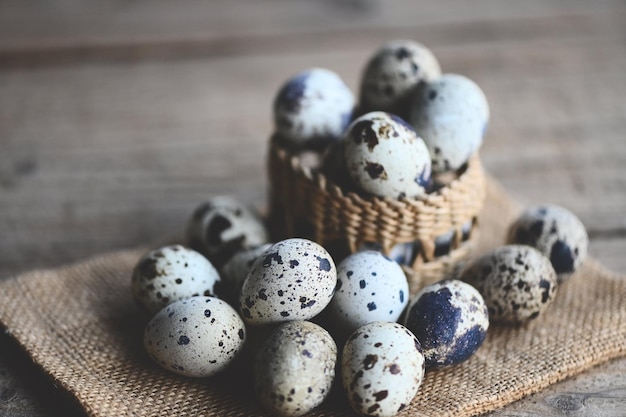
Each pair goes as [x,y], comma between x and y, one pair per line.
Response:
[118,118]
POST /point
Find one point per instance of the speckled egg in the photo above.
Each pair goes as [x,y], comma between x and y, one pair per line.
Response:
[235,271]
[451,114]
[195,337]
[557,233]
[517,282]
[312,109]
[295,369]
[393,72]
[370,287]
[385,157]
[450,320]
[222,226]
[382,368]
[292,280]
[172,273]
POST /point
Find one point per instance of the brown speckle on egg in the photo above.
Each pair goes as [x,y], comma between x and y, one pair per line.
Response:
[371,368]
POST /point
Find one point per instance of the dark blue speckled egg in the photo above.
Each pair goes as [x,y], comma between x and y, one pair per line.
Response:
[557,233]
[450,320]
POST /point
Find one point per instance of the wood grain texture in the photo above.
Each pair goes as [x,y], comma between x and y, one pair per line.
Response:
[118,118]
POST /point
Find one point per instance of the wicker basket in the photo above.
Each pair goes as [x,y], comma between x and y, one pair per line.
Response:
[303,202]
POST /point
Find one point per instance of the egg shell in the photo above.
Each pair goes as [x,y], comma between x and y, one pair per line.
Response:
[196,337]
[312,109]
[517,283]
[382,368]
[451,114]
[172,273]
[385,157]
[292,280]
[557,233]
[450,319]
[235,271]
[393,72]
[370,287]
[295,369]
[222,226]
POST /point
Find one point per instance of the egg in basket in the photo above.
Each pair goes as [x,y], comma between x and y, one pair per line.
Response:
[399,172]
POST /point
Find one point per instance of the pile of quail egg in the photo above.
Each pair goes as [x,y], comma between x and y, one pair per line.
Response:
[354,324]
[412,131]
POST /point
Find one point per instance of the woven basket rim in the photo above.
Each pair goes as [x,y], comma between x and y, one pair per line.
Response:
[429,199]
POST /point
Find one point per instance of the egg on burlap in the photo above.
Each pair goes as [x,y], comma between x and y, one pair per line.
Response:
[197,337]
[450,319]
[517,282]
[172,273]
[382,368]
[295,368]
[293,279]
[557,233]
[222,226]
[370,287]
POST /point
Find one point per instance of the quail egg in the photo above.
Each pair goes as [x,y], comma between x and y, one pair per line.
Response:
[450,319]
[382,368]
[312,109]
[385,157]
[517,282]
[557,233]
[235,271]
[222,226]
[172,273]
[370,287]
[292,280]
[451,114]
[295,368]
[197,337]
[393,72]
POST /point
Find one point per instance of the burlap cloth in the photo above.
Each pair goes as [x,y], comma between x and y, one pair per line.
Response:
[80,325]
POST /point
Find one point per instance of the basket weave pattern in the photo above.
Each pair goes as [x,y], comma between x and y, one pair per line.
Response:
[298,193]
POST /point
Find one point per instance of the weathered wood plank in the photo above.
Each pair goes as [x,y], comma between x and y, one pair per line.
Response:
[31,24]
[600,392]
[69,35]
